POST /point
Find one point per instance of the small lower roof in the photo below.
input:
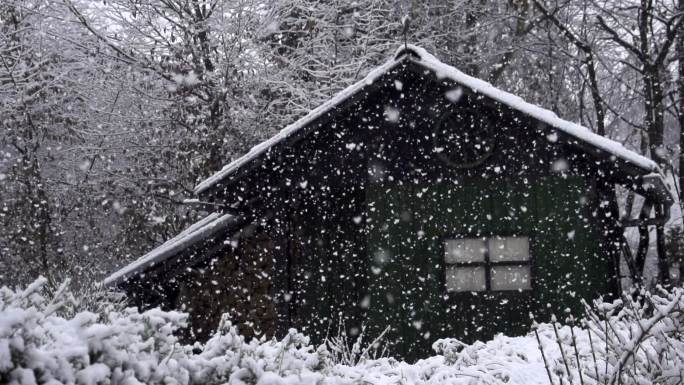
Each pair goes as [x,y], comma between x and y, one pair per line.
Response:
[199,231]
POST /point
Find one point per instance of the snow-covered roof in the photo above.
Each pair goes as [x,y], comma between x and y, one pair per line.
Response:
[442,71]
[197,232]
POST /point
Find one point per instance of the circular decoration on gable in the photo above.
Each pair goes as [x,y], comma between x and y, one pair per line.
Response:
[464,138]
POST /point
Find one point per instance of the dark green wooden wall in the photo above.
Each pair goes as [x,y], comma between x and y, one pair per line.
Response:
[411,221]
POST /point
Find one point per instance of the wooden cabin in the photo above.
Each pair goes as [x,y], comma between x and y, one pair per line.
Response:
[418,198]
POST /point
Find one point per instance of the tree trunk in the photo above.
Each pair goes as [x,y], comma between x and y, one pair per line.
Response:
[680,91]
[663,263]
[654,110]
[38,223]
[471,45]
[642,249]
[680,56]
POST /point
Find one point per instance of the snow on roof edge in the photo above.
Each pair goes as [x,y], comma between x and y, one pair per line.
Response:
[441,70]
[196,232]
[314,114]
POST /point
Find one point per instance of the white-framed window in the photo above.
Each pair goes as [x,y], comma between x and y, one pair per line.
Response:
[497,263]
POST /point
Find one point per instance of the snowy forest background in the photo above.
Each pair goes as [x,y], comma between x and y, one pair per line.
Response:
[112,110]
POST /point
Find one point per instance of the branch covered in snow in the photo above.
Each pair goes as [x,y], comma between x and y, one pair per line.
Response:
[636,340]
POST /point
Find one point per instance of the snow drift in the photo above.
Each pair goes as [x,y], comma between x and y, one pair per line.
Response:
[630,341]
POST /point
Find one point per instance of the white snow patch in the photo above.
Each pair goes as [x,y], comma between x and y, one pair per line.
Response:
[188,80]
[392,114]
[560,165]
[454,94]
[398,85]
[552,137]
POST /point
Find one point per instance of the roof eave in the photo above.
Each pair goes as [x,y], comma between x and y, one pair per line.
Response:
[172,247]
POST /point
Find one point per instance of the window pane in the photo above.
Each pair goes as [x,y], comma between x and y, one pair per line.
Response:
[464,250]
[509,249]
[465,278]
[511,277]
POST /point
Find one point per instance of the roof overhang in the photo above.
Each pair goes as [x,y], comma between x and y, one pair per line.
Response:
[204,229]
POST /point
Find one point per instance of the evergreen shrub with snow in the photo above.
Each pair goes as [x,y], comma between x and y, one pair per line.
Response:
[629,342]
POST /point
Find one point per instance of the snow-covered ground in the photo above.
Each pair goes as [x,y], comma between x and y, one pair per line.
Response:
[42,341]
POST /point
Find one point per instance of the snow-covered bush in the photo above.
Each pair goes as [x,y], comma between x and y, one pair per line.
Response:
[636,340]
[640,340]
[38,346]
[343,351]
